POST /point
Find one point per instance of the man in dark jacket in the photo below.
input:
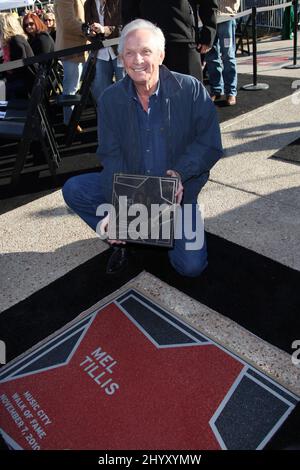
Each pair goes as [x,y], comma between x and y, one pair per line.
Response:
[153,122]
[178,20]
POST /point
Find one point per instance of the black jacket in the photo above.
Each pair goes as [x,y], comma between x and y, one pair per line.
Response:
[41,43]
[19,48]
[177,18]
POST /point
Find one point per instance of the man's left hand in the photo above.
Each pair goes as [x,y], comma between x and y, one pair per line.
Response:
[179,192]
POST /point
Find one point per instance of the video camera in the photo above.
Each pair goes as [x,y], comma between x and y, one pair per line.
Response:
[89,34]
[86,29]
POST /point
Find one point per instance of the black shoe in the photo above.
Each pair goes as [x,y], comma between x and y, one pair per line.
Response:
[118,261]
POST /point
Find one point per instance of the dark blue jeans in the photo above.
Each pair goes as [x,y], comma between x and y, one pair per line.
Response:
[188,256]
[221,61]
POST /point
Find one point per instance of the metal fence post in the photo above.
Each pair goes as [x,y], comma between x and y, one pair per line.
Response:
[255,86]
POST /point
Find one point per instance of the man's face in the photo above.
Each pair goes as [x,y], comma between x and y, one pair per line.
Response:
[141,57]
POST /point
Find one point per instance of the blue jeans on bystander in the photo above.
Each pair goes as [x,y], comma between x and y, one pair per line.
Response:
[71,80]
[221,61]
[106,70]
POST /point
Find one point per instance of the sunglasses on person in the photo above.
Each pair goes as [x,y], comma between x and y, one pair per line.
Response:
[28,24]
[48,19]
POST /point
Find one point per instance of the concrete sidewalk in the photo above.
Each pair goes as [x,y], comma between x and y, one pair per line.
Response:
[251,199]
[272,55]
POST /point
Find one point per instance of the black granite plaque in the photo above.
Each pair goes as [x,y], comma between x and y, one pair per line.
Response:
[144,209]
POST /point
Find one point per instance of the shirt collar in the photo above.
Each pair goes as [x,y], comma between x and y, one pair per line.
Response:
[133,93]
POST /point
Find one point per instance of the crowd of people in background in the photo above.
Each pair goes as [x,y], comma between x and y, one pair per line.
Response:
[58,26]
[24,35]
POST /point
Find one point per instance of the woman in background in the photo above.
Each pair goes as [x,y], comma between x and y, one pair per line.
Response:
[15,46]
[49,20]
[38,37]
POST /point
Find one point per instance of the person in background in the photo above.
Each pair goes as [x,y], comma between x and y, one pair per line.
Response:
[15,46]
[49,20]
[69,15]
[221,59]
[49,8]
[178,20]
[104,16]
[158,123]
[39,39]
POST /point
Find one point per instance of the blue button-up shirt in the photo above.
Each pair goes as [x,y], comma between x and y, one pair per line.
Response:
[153,159]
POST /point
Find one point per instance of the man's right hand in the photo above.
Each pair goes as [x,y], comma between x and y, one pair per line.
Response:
[180,189]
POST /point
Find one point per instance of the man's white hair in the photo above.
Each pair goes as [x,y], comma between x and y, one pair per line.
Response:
[142,24]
